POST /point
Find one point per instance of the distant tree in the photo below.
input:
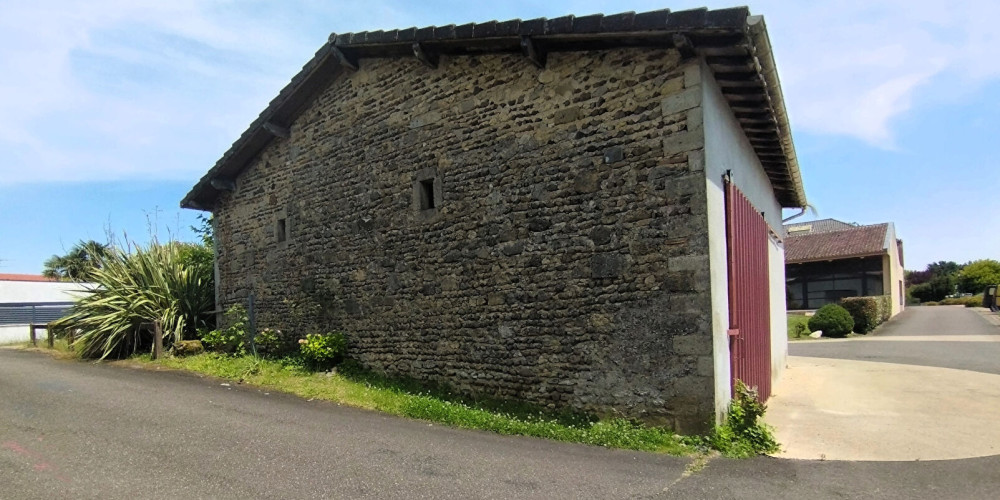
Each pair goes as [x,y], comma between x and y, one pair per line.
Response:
[205,230]
[943,267]
[934,283]
[977,275]
[921,292]
[936,289]
[918,277]
[78,263]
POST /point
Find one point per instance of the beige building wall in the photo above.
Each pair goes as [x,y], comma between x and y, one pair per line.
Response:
[892,271]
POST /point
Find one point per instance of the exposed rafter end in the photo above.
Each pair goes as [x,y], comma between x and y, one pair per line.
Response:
[344,59]
[429,58]
[534,53]
[277,130]
[683,45]
[224,184]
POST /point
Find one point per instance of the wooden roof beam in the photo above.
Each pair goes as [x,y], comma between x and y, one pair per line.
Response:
[428,57]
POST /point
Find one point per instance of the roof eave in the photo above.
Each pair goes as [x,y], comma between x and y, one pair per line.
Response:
[836,257]
[769,70]
[565,33]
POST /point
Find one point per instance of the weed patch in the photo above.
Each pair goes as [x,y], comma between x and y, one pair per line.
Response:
[798,327]
[744,434]
[353,386]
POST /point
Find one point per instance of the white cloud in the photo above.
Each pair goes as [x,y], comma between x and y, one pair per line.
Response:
[111,89]
[852,68]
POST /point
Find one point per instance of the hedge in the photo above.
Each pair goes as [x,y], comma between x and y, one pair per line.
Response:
[868,312]
[973,301]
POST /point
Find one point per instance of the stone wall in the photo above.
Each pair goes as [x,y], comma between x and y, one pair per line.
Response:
[519,233]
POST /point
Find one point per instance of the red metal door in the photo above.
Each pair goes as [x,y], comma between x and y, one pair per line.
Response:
[749,293]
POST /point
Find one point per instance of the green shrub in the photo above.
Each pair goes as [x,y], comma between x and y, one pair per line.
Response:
[973,301]
[833,319]
[868,312]
[322,351]
[270,343]
[134,289]
[744,434]
[235,338]
[232,338]
[929,303]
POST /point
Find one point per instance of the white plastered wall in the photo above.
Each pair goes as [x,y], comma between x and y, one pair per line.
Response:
[33,291]
[727,149]
[39,291]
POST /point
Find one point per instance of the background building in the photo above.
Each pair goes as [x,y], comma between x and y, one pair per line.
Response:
[827,260]
[28,298]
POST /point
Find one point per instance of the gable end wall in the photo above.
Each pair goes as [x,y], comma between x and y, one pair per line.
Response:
[566,261]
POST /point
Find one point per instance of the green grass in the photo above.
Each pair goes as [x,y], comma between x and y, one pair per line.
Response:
[354,387]
[60,348]
[793,320]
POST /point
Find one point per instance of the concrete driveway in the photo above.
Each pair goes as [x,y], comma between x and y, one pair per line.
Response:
[925,386]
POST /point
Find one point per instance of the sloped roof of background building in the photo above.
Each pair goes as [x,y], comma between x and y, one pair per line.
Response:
[817,226]
[735,45]
[857,241]
[25,277]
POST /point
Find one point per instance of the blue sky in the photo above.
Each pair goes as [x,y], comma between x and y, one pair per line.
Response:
[110,110]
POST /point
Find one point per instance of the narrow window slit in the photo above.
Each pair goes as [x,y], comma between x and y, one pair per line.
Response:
[281,231]
[427,194]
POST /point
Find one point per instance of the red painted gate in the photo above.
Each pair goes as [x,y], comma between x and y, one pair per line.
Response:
[749,293]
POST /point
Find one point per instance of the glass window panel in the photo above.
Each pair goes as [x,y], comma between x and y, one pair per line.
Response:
[875,285]
[794,296]
[872,263]
[821,285]
[853,285]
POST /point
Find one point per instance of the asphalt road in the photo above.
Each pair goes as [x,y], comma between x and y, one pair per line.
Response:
[70,429]
[941,336]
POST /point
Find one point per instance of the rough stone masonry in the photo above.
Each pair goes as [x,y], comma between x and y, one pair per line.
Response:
[513,232]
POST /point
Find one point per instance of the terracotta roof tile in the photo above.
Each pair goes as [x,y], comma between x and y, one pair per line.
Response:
[24,277]
[853,242]
[816,226]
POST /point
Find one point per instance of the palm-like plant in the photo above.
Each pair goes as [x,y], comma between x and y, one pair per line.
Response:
[78,263]
[131,290]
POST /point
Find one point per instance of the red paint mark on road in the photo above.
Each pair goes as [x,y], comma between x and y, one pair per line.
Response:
[39,465]
[16,448]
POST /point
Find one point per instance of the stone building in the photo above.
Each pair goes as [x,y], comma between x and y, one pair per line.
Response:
[533,210]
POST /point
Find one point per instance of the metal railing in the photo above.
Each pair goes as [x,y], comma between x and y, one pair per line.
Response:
[27,313]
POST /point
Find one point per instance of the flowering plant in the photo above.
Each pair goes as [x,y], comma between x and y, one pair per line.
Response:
[323,350]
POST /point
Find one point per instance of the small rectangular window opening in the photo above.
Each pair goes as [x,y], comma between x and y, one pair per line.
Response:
[427,194]
[280,230]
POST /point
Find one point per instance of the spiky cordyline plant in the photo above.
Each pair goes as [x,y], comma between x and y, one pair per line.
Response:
[133,289]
